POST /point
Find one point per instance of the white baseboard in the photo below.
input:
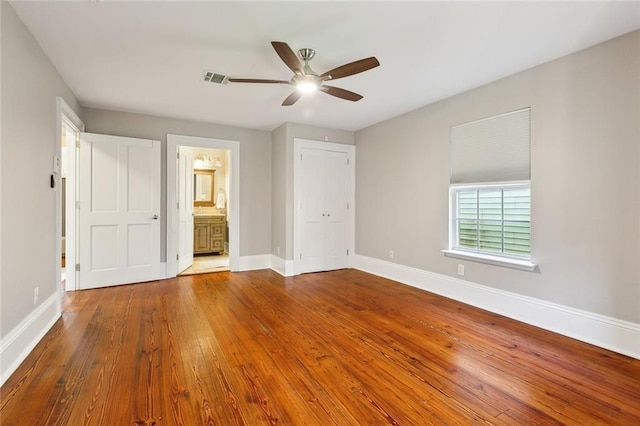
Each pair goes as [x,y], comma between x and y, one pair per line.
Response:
[20,341]
[249,263]
[282,266]
[606,332]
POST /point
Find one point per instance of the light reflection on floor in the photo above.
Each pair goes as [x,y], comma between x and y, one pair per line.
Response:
[206,264]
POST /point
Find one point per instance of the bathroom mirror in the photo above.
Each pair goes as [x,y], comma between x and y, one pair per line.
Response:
[203,185]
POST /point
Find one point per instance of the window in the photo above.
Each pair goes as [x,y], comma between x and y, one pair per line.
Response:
[493,219]
[490,194]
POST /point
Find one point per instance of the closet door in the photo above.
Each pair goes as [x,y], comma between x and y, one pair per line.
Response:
[311,210]
[323,223]
[336,197]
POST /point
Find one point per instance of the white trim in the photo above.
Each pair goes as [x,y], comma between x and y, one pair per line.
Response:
[523,265]
[491,185]
[350,150]
[19,342]
[282,266]
[259,261]
[173,144]
[504,114]
[600,330]
[64,114]
[63,109]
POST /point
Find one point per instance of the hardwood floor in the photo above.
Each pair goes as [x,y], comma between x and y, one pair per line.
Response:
[341,347]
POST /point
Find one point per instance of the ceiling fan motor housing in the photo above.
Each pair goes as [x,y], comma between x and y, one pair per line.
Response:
[306,54]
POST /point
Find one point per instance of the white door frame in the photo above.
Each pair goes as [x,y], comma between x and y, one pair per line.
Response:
[298,145]
[185,212]
[65,115]
[174,142]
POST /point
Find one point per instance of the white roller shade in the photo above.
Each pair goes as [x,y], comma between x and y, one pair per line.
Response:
[494,149]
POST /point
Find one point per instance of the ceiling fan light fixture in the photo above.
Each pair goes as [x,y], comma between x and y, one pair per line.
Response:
[306,87]
[306,83]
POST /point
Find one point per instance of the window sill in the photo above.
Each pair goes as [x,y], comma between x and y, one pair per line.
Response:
[523,265]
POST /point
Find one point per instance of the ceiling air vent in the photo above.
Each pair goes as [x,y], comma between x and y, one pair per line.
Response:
[211,77]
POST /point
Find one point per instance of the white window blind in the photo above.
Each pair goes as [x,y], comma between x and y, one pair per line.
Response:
[494,149]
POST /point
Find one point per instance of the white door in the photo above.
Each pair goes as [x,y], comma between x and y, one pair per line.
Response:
[324,190]
[311,210]
[119,210]
[185,211]
[337,191]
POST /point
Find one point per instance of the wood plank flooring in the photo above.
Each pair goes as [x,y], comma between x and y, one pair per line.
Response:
[334,348]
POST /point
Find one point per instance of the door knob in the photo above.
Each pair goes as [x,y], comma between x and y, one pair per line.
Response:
[154,217]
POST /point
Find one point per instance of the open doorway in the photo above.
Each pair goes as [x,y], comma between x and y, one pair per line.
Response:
[67,212]
[65,166]
[203,184]
[213,168]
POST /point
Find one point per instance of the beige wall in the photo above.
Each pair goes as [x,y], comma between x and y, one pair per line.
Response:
[282,178]
[30,85]
[585,175]
[255,166]
[279,207]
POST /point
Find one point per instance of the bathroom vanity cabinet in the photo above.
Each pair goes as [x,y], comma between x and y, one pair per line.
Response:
[209,233]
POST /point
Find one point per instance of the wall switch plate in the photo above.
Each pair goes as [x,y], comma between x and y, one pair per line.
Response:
[390,254]
[461,269]
[36,294]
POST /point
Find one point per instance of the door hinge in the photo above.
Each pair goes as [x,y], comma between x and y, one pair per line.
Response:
[77,267]
[347,252]
[177,256]
[178,205]
[178,155]
[77,205]
[347,161]
[78,141]
[300,256]
[300,157]
[347,206]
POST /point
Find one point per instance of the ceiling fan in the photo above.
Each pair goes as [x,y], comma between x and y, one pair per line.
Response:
[307,80]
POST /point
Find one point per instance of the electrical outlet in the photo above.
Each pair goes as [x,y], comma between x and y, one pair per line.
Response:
[390,254]
[36,294]
[461,269]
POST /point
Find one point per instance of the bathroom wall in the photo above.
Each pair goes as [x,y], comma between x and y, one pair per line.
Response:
[221,175]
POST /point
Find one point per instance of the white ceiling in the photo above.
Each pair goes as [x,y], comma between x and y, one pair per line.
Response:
[149,57]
